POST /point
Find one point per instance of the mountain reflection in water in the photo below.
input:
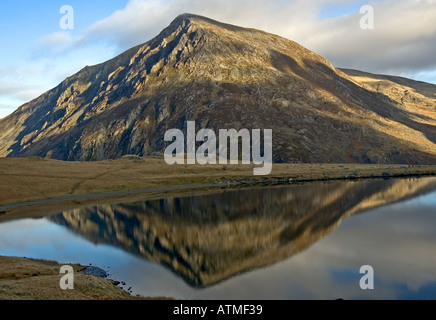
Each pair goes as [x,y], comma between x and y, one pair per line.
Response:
[209,238]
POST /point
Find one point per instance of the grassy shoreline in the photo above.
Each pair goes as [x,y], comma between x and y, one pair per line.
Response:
[36,279]
[50,186]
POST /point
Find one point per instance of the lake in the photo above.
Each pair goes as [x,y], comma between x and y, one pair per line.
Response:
[304,241]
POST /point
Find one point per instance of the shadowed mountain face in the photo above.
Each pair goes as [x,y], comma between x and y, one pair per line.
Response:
[207,239]
[224,77]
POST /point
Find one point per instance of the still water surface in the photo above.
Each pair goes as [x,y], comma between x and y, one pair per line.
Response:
[296,242]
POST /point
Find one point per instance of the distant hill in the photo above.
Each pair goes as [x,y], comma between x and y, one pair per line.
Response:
[224,77]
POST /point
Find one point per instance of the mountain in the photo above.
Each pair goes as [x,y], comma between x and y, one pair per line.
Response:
[223,76]
[207,239]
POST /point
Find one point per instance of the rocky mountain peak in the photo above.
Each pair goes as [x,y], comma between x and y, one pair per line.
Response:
[225,77]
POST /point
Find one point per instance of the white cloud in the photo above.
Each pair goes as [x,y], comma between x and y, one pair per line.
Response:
[4,108]
[53,44]
[404,38]
[19,91]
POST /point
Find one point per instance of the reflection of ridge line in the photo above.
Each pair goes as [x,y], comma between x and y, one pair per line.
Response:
[239,235]
[420,191]
[106,195]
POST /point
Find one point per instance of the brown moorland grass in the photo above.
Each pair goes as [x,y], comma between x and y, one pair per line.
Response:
[28,279]
[25,179]
[28,179]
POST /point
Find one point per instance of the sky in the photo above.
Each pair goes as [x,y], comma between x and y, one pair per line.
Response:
[38,52]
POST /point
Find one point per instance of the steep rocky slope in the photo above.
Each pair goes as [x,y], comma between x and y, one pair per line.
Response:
[224,77]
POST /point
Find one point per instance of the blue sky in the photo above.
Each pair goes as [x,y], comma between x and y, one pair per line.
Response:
[27,67]
[334,10]
[37,54]
[23,22]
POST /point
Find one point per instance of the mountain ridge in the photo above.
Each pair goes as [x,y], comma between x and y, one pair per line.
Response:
[222,76]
